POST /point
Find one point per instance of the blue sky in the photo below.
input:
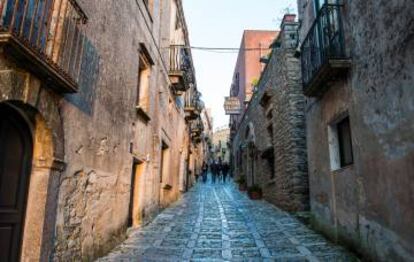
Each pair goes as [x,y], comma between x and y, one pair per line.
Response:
[220,23]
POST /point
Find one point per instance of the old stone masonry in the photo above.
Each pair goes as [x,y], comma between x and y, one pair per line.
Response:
[217,223]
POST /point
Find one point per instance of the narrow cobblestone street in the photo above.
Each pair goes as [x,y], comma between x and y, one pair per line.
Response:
[218,223]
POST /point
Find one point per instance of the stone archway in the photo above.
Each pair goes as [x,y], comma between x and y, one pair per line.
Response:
[39,106]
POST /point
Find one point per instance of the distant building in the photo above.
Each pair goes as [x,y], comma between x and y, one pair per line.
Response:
[221,149]
[205,141]
[254,46]
[208,134]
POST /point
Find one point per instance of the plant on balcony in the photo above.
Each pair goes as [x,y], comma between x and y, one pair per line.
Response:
[242,183]
[255,192]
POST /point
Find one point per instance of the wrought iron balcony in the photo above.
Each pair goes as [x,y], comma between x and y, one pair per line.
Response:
[46,37]
[196,127]
[193,104]
[181,69]
[323,51]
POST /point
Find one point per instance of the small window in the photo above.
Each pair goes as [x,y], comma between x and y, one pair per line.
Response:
[340,144]
[236,85]
[164,163]
[144,75]
[345,142]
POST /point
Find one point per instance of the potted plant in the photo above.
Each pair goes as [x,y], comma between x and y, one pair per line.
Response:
[255,192]
[242,183]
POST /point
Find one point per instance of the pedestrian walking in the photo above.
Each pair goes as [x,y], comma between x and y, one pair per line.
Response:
[225,171]
[205,172]
[213,172]
[220,171]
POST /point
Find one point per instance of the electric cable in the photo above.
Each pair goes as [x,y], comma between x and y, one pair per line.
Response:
[222,50]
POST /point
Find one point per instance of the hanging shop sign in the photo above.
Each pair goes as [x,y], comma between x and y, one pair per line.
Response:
[232,105]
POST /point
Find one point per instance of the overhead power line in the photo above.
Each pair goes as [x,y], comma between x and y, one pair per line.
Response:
[227,48]
[223,49]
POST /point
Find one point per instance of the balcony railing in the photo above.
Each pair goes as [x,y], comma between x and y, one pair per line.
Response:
[193,104]
[323,52]
[181,68]
[46,36]
[196,127]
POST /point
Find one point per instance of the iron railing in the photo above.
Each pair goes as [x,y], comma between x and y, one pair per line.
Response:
[196,127]
[189,98]
[181,64]
[324,41]
[192,99]
[193,105]
[50,29]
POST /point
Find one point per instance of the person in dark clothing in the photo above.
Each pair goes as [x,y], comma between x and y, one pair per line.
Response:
[205,172]
[213,172]
[225,171]
[220,169]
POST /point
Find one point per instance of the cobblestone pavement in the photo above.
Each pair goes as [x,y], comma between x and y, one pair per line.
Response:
[217,223]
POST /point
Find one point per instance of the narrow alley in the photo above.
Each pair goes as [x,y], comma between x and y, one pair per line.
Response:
[218,223]
[113,114]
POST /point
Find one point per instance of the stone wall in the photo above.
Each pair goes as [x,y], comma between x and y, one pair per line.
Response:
[274,124]
[98,134]
[368,204]
[220,143]
[291,177]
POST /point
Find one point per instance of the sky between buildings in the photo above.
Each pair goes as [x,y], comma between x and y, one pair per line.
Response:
[220,23]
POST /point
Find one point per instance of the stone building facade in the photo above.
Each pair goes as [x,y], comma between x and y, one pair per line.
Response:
[221,139]
[358,73]
[207,121]
[269,147]
[200,151]
[97,103]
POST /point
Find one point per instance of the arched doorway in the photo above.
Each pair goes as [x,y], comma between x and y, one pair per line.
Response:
[16,150]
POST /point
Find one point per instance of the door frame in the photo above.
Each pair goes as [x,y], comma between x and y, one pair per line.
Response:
[137,172]
[25,129]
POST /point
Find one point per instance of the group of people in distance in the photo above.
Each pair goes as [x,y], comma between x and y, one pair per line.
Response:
[219,171]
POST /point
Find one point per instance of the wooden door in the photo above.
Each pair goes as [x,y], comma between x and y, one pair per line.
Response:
[135,213]
[15,166]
